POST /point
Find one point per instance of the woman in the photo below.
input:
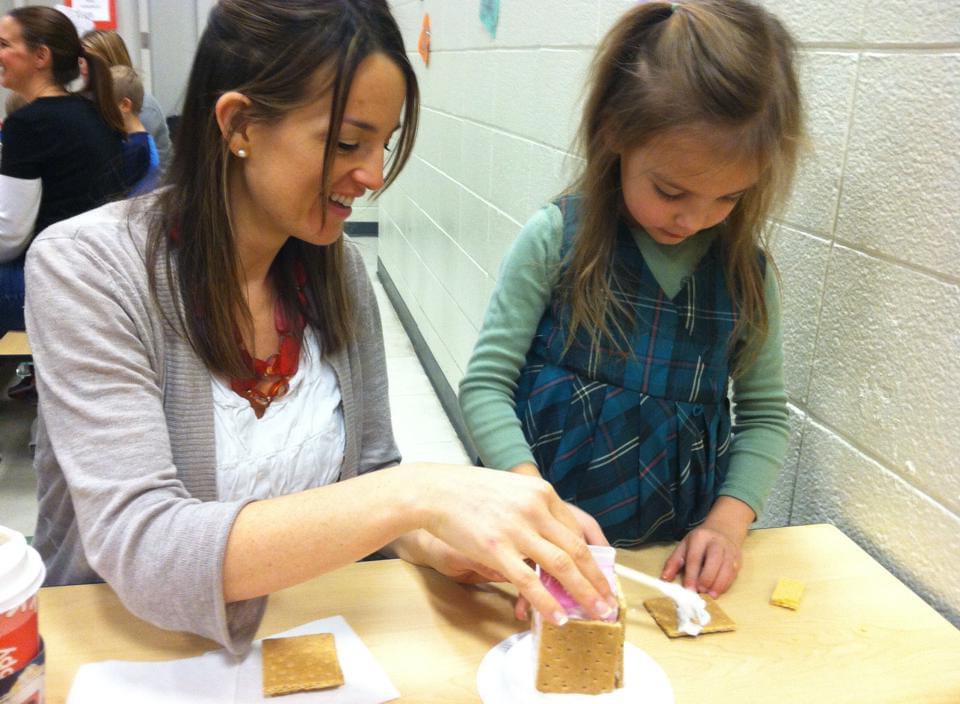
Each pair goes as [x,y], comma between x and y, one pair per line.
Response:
[61,152]
[111,47]
[213,397]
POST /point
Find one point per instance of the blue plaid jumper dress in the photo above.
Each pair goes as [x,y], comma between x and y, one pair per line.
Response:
[637,436]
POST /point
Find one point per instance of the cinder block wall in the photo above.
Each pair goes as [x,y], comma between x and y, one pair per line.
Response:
[365,210]
[868,249]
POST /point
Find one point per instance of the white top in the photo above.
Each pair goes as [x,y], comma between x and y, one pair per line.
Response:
[298,443]
[19,205]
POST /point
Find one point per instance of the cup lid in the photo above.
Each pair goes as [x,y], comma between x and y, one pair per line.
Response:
[21,569]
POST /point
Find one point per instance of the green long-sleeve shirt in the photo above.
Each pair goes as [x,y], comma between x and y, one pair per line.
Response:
[522,294]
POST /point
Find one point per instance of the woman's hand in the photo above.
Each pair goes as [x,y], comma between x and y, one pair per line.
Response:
[710,555]
[589,528]
[591,532]
[501,520]
[421,548]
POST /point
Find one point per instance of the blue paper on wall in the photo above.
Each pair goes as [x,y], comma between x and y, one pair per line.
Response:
[490,15]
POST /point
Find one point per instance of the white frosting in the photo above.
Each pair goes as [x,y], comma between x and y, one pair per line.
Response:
[692,612]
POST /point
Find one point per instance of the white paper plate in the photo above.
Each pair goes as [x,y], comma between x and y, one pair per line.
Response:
[506,676]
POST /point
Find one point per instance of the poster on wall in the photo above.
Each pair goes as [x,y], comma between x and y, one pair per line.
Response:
[102,12]
[423,43]
[490,15]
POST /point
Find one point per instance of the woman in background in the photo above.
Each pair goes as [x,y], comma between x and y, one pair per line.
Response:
[61,152]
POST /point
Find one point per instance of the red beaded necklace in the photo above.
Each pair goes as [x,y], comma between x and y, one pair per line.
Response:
[276,370]
[271,376]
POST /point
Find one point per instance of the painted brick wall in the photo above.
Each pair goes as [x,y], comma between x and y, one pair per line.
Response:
[868,250]
[365,210]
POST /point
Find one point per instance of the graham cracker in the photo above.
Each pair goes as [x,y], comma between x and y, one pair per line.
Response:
[584,657]
[787,593]
[300,664]
[664,612]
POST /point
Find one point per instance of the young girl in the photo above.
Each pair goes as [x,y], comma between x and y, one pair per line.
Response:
[624,308]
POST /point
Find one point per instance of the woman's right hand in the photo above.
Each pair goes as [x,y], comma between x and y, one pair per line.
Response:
[422,548]
[589,529]
[503,520]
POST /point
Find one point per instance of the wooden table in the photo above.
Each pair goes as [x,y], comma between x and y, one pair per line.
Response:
[14,344]
[859,636]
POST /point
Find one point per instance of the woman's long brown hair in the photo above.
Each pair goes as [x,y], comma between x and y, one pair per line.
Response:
[44,26]
[723,67]
[272,52]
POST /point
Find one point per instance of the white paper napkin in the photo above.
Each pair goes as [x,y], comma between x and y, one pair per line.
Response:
[219,678]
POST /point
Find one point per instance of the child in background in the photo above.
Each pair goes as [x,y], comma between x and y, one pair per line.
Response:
[624,309]
[109,45]
[141,159]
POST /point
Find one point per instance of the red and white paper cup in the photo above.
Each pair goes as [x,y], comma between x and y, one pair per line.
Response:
[21,650]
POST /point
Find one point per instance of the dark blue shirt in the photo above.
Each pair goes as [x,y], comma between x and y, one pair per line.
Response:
[65,143]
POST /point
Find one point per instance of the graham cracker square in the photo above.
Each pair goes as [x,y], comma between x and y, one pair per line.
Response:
[300,664]
[787,593]
[664,612]
[583,657]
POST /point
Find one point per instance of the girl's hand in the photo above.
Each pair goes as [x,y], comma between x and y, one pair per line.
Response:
[501,520]
[710,561]
[710,555]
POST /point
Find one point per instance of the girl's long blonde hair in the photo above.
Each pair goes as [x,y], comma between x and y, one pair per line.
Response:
[727,65]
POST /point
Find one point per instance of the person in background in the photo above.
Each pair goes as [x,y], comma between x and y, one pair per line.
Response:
[62,152]
[215,423]
[12,103]
[625,308]
[110,45]
[140,157]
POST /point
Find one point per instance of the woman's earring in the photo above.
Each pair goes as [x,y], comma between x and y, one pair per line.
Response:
[242,153]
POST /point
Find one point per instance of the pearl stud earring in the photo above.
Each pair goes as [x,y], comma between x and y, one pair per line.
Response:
[242,153]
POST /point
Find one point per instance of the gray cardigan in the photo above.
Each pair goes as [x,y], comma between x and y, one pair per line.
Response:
[126,454]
